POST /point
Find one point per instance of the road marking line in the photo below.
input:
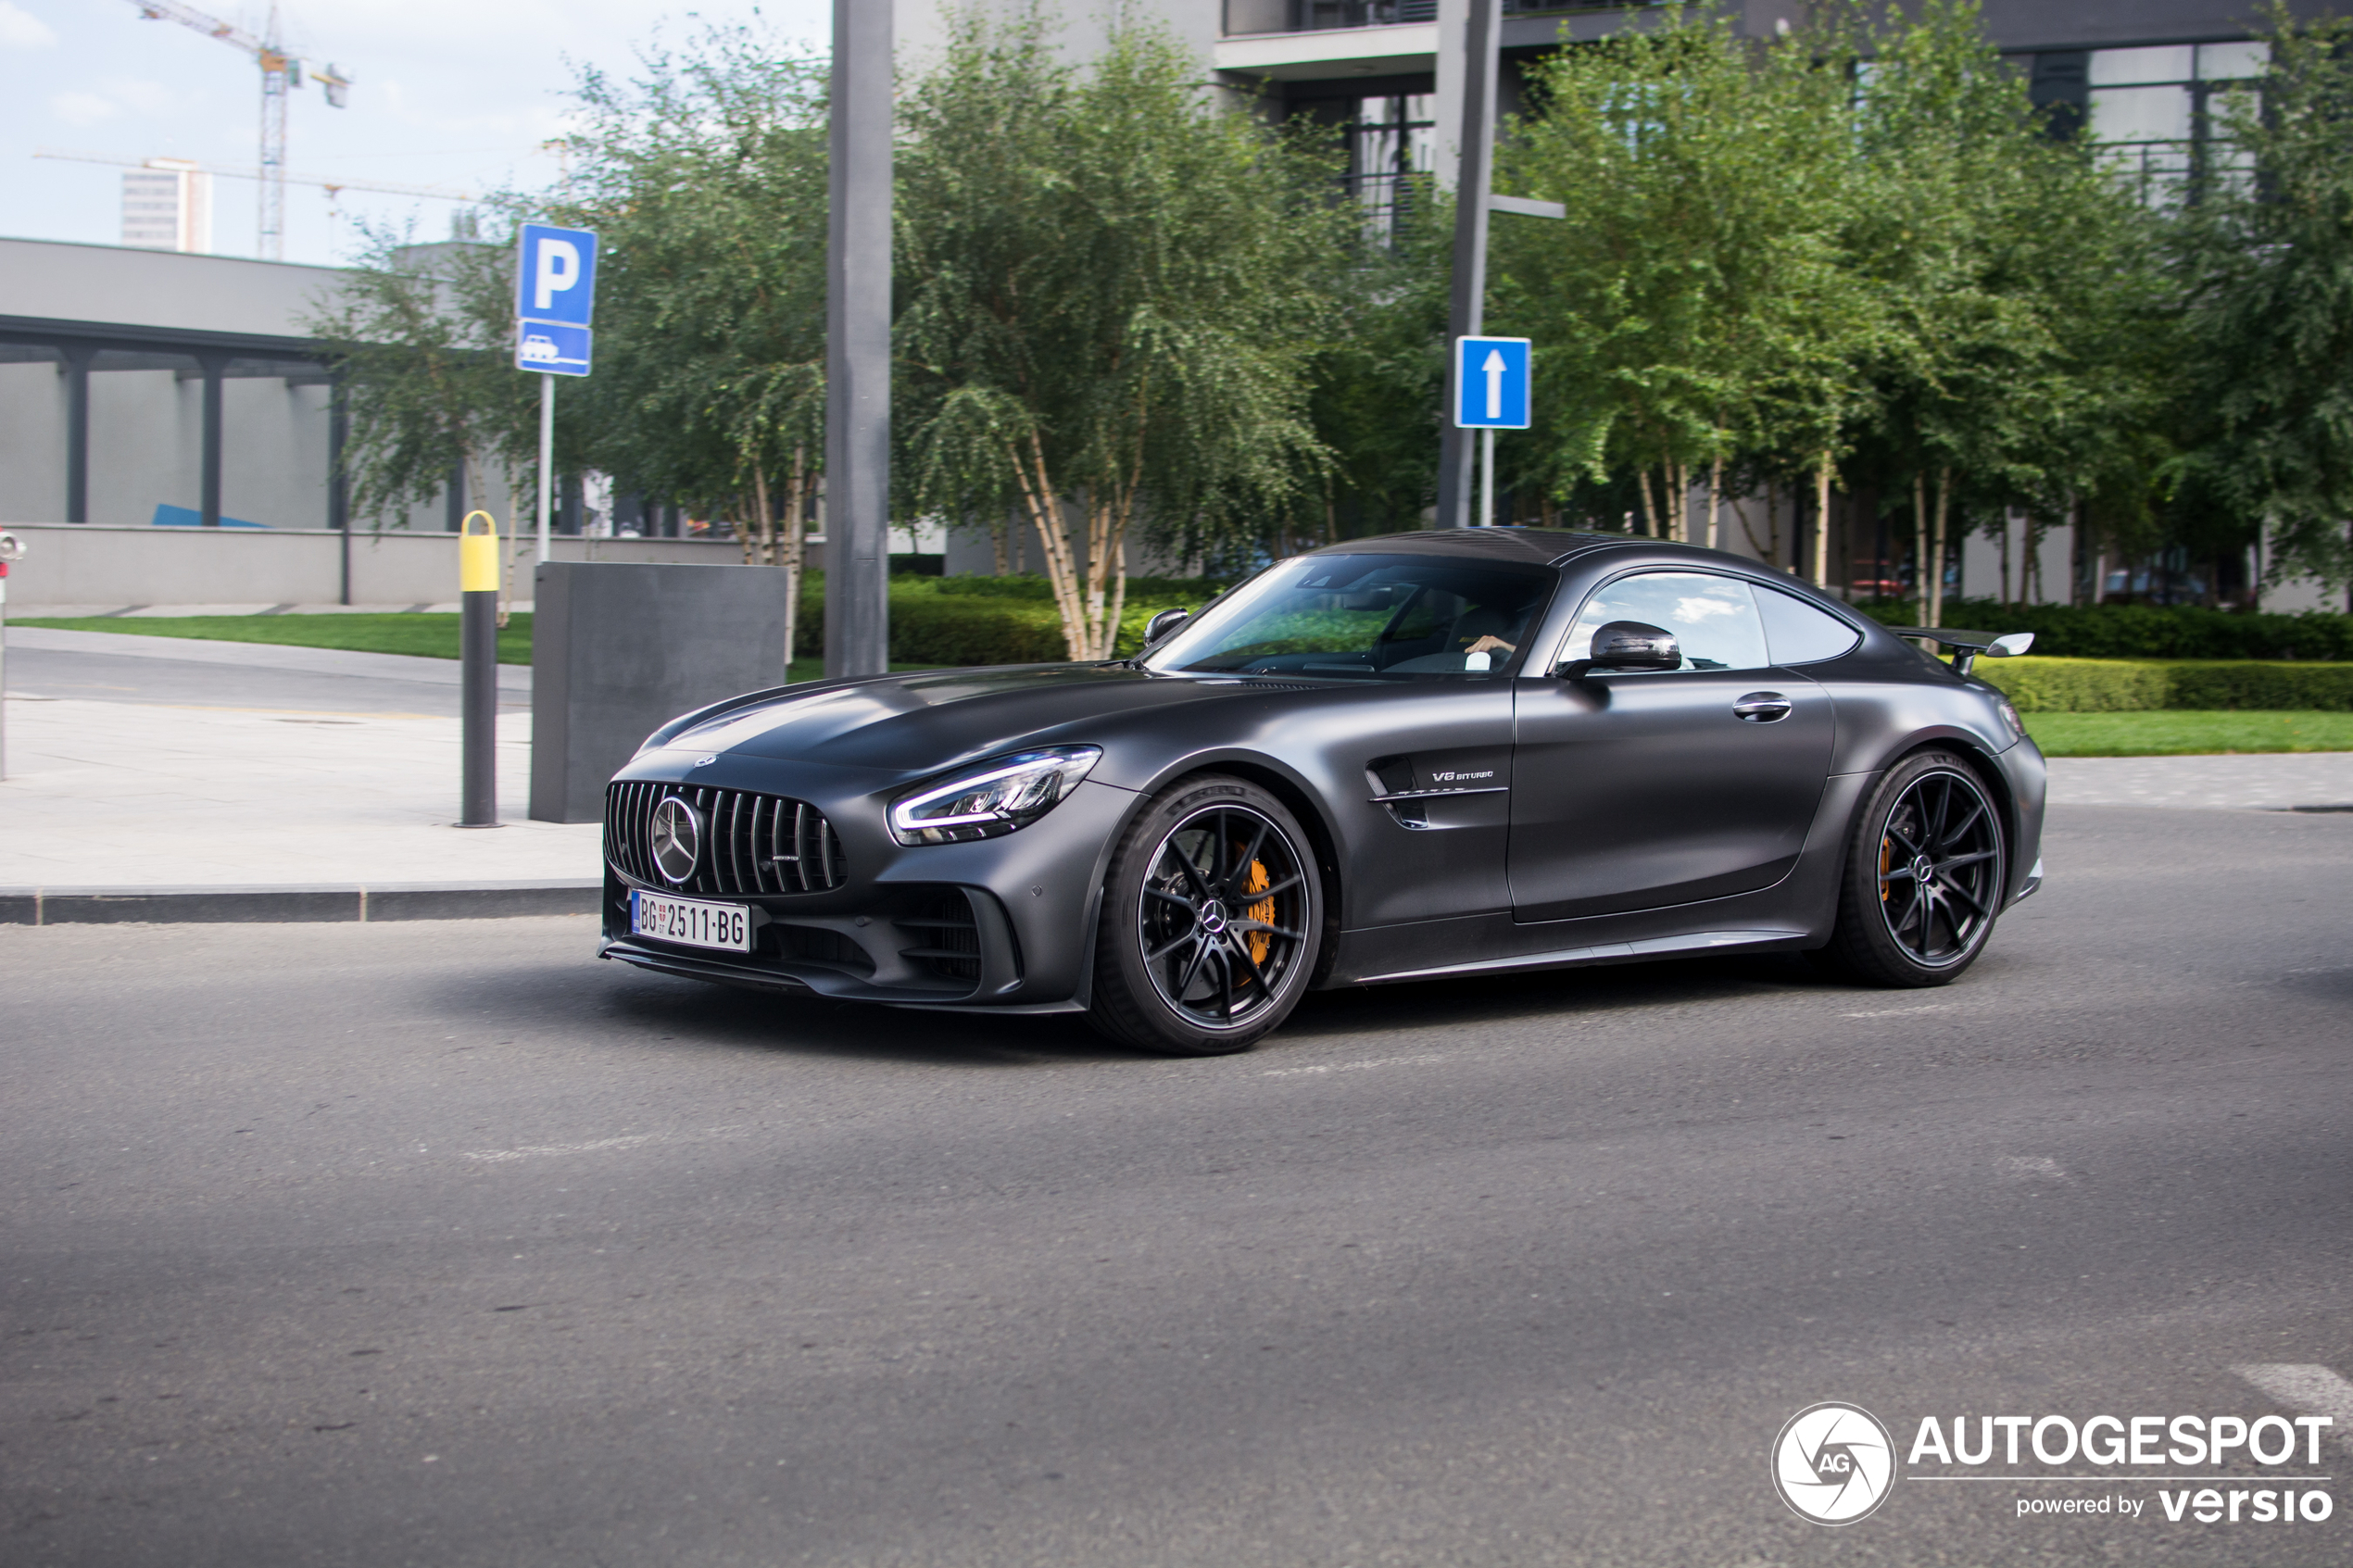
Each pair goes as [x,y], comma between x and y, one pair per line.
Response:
[1350,1066]
[596,1145]
[2314,1389]
[1901,1012]
[2031,1167]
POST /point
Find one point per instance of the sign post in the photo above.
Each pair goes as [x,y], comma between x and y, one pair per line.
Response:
[555,296]
[1494,383]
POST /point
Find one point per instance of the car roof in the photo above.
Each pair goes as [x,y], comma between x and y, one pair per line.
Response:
[1552,546]
[1543,545]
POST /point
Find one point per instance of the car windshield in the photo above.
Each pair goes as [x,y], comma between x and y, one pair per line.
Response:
[1374,617]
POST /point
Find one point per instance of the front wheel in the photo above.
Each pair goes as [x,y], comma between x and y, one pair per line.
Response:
[1211,922]
[1925,870]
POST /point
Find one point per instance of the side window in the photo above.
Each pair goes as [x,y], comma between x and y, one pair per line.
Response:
[1800,634]
[1714,617]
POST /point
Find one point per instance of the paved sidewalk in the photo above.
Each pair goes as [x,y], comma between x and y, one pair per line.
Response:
[231,793]
[2269,782]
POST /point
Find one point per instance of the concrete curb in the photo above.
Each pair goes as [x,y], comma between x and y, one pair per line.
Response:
[391,901]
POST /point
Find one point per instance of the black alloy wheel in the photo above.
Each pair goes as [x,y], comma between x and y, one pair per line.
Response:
[1211,922]
[1925,876]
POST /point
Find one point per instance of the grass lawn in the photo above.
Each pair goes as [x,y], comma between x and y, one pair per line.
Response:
[2186,732]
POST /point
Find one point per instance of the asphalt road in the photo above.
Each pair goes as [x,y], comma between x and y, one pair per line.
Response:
[444,1245]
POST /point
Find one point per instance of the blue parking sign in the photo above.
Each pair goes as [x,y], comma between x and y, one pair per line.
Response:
[553,347]
[1494,383]
[556,275]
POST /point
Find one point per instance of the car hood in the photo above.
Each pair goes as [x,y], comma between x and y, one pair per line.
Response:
[917,722]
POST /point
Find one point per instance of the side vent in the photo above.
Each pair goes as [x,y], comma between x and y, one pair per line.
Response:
[947,938]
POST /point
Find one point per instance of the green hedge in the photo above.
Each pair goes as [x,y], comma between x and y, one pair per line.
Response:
[962,620]
[2120,685]
[2141,632]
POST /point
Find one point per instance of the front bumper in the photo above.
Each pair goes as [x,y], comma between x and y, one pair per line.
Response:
[998,923]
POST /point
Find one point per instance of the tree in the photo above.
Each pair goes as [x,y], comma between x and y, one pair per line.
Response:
[2265,251]
[1693,303]
[2014,277]
[1110,290]
[706,178]
[422,341]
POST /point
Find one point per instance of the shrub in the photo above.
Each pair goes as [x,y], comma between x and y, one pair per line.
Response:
[2077,686]
[2119,685]
[2145,631]
[965,620]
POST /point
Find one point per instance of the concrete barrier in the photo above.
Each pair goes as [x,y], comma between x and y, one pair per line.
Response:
[92,564]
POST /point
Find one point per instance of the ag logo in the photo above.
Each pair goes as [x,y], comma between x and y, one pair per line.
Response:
[1833,1463]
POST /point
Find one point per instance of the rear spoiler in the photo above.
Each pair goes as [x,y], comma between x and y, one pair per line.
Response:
[1966,645]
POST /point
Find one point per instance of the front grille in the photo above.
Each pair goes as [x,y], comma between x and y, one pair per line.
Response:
[750,843]
[947,938]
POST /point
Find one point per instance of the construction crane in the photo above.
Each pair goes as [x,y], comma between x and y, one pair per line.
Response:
[333,187]
[280,72]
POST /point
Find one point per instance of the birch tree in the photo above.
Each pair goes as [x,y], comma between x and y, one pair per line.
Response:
[1110,290]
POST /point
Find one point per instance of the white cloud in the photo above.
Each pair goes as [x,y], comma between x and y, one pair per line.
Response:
[22,30]
[82,108]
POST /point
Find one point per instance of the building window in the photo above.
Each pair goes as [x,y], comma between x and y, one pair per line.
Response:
[1392,139]
[2148,109]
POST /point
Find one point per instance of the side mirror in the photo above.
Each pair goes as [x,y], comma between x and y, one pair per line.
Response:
[1627,645]
[1160,625]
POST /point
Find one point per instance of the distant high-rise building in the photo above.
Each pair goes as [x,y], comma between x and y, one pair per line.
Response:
[168,205]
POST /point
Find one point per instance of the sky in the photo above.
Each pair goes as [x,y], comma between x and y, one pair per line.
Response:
[452,94]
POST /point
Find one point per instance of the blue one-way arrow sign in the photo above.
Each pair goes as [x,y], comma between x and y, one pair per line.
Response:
[1492,384]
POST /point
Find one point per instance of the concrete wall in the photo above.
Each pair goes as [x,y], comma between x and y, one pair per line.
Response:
[92,564]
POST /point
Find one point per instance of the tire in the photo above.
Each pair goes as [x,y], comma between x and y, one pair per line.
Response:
[1212,921]
[1927,862]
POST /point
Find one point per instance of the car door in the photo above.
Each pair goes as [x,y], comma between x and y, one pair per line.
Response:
[1637,790]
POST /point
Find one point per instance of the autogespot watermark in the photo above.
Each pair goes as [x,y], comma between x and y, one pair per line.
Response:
[1835,1463]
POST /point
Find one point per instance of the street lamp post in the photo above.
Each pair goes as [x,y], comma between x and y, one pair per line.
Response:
[858,346]
[1466,309]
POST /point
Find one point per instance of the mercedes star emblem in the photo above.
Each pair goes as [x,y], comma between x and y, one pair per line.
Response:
[677,838]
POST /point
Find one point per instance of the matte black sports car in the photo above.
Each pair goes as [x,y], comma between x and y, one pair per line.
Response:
[1423,756]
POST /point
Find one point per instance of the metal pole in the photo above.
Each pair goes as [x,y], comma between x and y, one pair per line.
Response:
[1487,477]
[478,673]
[1466,309]
[858,344]
[547,455]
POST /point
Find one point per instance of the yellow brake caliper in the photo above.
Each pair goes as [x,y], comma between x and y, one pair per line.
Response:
[1261,942]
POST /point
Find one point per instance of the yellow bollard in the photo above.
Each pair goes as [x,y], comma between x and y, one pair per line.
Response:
[478,655]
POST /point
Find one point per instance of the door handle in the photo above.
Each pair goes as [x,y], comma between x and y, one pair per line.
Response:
[1763,707]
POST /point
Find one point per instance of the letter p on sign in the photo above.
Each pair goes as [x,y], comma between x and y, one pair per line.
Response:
[558,269]
[556,275]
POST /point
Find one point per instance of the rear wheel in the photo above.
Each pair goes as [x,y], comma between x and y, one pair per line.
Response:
[1211,924]
[1925,872]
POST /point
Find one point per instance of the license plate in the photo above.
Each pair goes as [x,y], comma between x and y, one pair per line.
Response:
[696,924]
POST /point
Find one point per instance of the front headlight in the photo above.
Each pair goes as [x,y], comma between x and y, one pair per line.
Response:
[992,799]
